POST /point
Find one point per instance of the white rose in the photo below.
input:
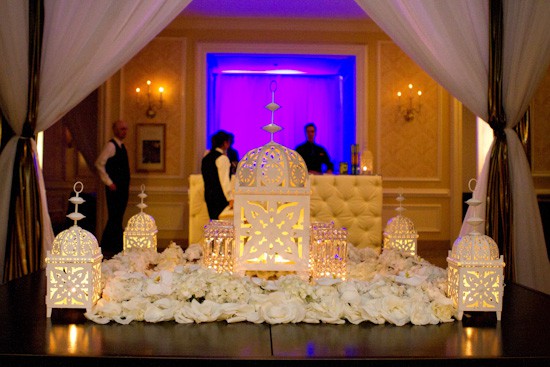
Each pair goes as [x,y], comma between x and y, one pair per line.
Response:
[107,308]
[349,293]
[235,312]
[154,314]
[159,284]
[443,308]
[135,308]
[421,314]
[207,311]
[329,310]
[371,310]
[396,310]
[278,309]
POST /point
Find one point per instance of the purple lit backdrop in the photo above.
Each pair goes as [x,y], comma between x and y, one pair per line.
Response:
[237,104]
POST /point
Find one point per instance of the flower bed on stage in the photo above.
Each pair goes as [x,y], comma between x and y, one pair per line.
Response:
[143,285]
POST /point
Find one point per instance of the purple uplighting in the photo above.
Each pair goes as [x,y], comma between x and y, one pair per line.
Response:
[320,90]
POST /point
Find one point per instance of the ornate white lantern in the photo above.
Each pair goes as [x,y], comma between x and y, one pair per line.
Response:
[141,231]
[73,267]
[475,272]
[399,233]
[328,251]
[271,208]
[217,246]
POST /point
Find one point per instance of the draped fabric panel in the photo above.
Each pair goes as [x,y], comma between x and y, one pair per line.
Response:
[449,40]
[498,216]
[446,38]
[84,43]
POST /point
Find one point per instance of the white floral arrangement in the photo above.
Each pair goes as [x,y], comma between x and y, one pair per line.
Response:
[145,285]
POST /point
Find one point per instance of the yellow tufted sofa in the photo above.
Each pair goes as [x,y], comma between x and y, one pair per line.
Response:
[353,202]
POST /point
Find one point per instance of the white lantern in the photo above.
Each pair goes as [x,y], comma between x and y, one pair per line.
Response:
[328,251]
[271,208]
[141,231]
[400,233]
[475,272]
[217,246]
[73,267]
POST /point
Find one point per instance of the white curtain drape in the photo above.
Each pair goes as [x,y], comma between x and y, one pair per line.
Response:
[84,43]
[449,40]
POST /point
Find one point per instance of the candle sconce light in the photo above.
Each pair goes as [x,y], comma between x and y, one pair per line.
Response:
[411,108]
[152,105]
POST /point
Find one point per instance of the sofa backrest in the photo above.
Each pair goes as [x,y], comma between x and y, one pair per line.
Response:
[352,202]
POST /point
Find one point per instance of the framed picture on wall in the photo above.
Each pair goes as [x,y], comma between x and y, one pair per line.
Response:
[151,147]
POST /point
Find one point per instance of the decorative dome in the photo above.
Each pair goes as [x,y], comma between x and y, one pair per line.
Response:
[475,247]
[272,166]
[75,242]
[141,223]
[400,226]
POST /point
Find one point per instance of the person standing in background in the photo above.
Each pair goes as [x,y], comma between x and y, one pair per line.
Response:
[215,169]
[114,170]
[232,154]
[313,154]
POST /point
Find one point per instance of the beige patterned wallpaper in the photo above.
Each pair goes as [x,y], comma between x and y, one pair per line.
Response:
[408,149]
[162,62]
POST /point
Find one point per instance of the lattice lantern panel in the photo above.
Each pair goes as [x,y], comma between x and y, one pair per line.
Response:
[400,233]
[141,230]
[73,267]
[272,211]
[475,272]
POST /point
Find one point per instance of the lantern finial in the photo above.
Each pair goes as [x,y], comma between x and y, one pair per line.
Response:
[474,220]
[142,195]
[272,127]
[76,200]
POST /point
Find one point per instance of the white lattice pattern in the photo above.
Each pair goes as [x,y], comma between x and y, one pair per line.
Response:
[271,166]
[475,247]
[475,273]
[273,233]
[73,267]
[141,230]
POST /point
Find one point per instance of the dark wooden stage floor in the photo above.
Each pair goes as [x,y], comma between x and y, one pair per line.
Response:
[27,337]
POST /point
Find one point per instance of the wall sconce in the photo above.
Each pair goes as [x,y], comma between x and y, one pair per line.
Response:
[410,111]
[152,109]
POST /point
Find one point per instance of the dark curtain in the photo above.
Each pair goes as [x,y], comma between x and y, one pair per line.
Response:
[499,216]
[24,237]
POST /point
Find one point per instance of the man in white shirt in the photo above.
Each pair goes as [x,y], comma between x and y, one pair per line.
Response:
[216,170]
[114,170]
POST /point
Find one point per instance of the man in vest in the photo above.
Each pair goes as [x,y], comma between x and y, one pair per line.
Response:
[114,170]
[216,170]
